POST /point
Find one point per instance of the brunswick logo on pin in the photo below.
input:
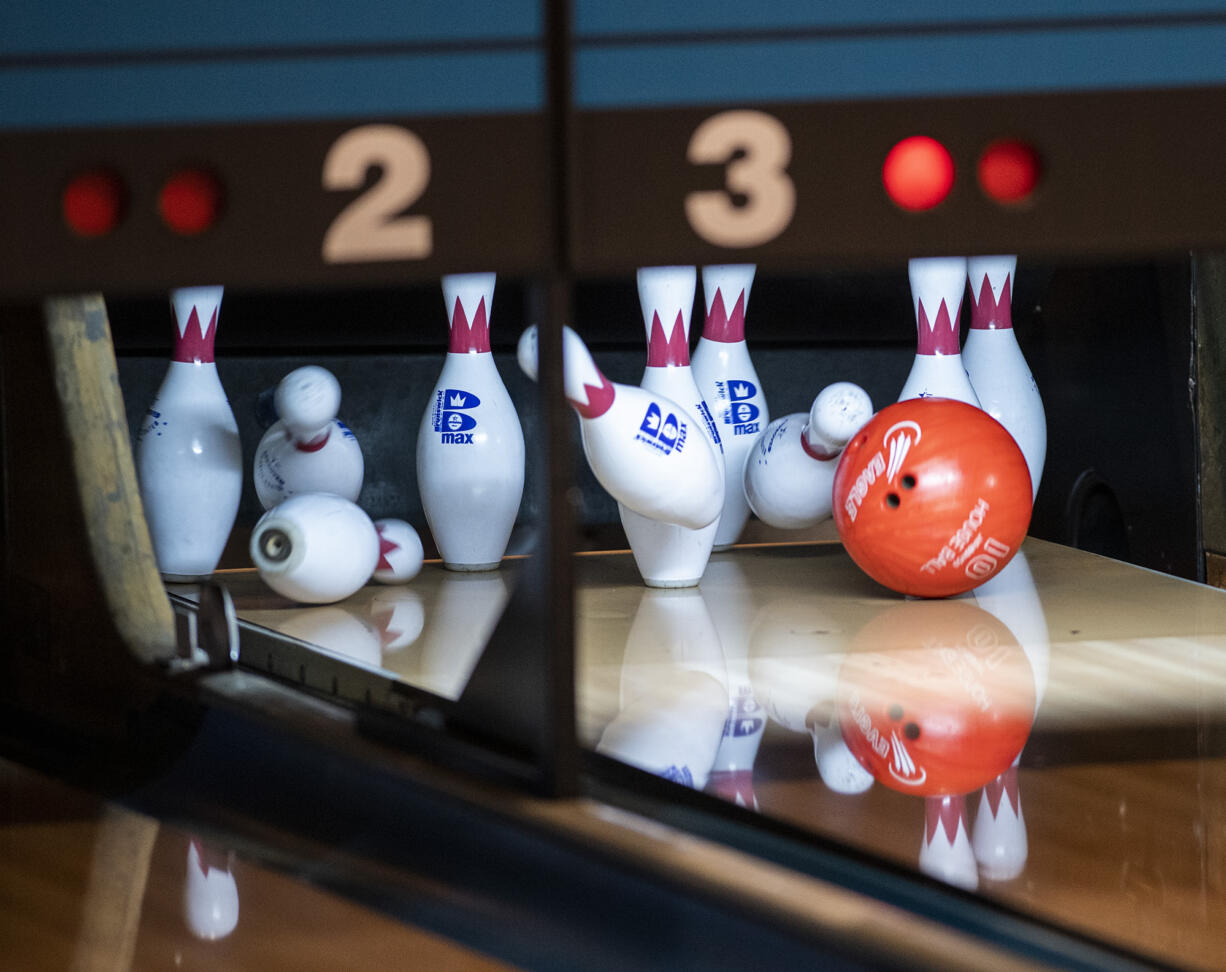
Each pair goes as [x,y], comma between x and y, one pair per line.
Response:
[455,426]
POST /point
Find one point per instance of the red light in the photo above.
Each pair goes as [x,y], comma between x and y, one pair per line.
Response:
[190,201]
[92,203]
[918,173]
[1009,171]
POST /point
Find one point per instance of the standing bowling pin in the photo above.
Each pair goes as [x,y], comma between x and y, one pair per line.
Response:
[642,448]
[995,364]
[937,285]
[188,459]
[470,447]
[730,386]
[668,555]
[946,852]
[308,450]
[789,478]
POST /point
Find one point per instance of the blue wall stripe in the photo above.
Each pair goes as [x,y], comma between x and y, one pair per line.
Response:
[899,66]
[255,90]
[596,17]
[97,26]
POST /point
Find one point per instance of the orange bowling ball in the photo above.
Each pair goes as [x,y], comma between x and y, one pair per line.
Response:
[935,698]
[932,497]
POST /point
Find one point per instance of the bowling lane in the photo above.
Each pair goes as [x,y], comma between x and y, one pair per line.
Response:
[1111,678]
[85,884]
[429,633]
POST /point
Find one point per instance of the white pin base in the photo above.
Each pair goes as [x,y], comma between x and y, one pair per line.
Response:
[667,555]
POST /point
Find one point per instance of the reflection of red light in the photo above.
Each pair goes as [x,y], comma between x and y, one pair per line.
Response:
[918,173]
[189,201]
[1009,171]
[92,202]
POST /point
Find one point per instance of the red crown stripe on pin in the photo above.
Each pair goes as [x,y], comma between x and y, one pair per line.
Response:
[1005,783]
[466,338]
[386,546]
[191,343]
[722,326]
[940,337]
[943,812]
[671,350]
[599,398]
[988,313]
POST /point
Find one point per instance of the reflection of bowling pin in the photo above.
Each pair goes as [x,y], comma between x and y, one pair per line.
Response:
[796,651]
[470,447]
[937,284]
[308,450]
[668,555]
[399,616]
[400,552]
[210,894]
[337,630]
[642,448]
[315,548]
[458,625]
[728,596]
[188,459]
[946,852]
[789,477]
[674,690]
[999,833]
[730,386]
[995,364]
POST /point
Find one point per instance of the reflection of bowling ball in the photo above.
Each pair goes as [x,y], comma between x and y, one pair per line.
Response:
[935,698]
[932,497]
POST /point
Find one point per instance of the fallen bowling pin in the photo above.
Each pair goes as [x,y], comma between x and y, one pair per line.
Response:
[315,548]
[642,448]
[668,555]
[789,476]
[308,449]
[400,552]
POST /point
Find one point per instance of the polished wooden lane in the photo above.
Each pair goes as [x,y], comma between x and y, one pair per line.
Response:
[1119,784]
[89,886]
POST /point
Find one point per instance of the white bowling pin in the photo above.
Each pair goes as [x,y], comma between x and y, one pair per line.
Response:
[470,447]
[668,555]
[210,893]
[730,386]
[674,690]
[188,459]
[315,548]
[999,835]
[937,285]
[643,449]
[400,552]
[789,478]
[308,450]
[946,852]
[995,364]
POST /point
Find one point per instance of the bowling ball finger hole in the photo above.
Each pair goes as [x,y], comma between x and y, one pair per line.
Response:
[893,500]
[908,481]
[911,730]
